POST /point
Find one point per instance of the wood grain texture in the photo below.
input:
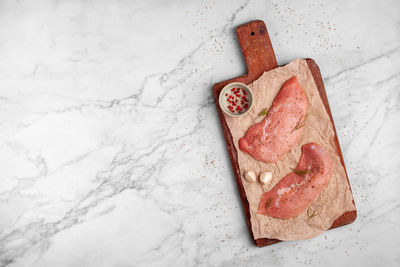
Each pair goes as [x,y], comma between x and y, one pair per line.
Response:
[260,57]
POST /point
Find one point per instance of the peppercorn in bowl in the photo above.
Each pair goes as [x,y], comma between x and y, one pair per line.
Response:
[236,99]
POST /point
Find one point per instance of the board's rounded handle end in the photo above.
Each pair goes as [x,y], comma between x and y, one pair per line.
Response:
[256,47]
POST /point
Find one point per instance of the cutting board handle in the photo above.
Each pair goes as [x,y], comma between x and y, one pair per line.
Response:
[256,48]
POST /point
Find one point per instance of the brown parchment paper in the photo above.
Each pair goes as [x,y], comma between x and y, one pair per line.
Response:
[333,201]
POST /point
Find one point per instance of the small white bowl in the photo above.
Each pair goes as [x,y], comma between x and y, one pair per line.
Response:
[227,89]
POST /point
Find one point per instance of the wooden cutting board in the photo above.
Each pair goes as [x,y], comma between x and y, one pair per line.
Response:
[260,57]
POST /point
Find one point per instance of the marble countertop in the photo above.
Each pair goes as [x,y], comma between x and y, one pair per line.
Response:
[112,153]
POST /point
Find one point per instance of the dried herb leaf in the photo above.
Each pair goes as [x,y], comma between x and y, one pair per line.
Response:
[299,172]
[268,203]
[312,215]
[263,112]
[299,124]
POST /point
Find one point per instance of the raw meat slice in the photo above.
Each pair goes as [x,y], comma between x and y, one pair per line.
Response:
[273,137]
[298,189]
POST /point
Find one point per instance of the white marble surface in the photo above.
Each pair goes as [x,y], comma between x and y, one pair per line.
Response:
[111,151]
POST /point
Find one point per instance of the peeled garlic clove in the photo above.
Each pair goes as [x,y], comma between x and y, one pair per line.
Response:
[266,177]
[250,176]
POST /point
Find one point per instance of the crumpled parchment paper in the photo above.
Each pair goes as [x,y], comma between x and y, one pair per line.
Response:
[333,201]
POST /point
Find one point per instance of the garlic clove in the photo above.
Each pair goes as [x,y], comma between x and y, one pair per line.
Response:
[266,177]
[250,176]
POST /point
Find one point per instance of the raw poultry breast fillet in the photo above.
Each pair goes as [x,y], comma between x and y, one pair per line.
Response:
[273,137]
[298,189]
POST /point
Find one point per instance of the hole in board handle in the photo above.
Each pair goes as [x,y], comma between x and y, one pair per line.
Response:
[252,33]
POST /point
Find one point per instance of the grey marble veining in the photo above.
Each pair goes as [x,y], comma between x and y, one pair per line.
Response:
[112,153]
